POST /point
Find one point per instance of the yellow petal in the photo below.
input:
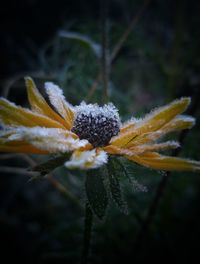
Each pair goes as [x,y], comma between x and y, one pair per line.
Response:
[10,114]
[138,150]
[58,100]
[154,147]
[20,147]
[179,123]
[129,125]
[152,122]
[159,162]
[39,104]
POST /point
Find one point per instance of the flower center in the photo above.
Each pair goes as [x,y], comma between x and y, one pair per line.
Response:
[96,124]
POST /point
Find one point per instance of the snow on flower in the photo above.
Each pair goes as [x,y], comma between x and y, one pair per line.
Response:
[92,132]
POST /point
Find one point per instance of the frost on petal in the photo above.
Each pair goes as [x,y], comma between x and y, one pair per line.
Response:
[87,159]
[13,115]
[38,103]
[160,162]
[153,122]
[130,124]
[136,150]
[179,123]
[58,100]
[52,140]
[154,147]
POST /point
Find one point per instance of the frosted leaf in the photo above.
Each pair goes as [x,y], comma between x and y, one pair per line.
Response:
[54,140]
[87,159]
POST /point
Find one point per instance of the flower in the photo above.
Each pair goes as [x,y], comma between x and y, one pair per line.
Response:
[92,132]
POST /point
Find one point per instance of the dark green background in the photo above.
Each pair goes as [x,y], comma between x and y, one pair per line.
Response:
[159,61]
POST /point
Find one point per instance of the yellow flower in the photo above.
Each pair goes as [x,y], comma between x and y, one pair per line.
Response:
[91,132]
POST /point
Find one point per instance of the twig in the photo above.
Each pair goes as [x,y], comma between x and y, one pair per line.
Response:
[11,81]
[118,46]
[105,52]
[62,189]
[55,183]
[127,32]
[16,170]
[154,206]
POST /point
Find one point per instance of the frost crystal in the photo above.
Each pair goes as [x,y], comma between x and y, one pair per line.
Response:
[97,124]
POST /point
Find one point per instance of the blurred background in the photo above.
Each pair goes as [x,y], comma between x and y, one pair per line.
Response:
[154,52]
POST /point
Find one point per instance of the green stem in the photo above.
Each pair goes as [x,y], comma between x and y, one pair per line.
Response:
[87,234]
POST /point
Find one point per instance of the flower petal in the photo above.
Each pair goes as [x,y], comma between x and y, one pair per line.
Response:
[152,122]
[87,159]
[137,150]
[52,140]
[159,162]
[154,147]
[20,147]
[39,104]
[179,123]
[11,114]
[130,124]
[58,100]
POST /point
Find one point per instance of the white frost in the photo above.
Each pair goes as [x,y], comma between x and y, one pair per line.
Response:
[107,110]
[87,159]
[57,98]
[54,140]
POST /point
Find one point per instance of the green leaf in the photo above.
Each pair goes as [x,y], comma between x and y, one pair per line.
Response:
[95,47]
[115,188]
[96,192]
[129,175]
[50,165]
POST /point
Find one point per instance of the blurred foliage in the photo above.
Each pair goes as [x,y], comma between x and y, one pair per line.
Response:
[158,62]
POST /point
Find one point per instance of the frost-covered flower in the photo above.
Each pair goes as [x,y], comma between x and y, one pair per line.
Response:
[91,132]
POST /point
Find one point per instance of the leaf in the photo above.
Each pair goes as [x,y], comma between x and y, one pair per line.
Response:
[50,165]
[83,39]
[115,188]
[129,175]
[96,192]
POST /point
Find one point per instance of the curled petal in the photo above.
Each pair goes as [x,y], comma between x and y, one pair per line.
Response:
[160,162]
[87,159]
[11,114]
[152,122]
[58,100]
[51,140]
[39,104]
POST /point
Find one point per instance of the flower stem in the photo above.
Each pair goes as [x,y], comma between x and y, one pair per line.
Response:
[87,234]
